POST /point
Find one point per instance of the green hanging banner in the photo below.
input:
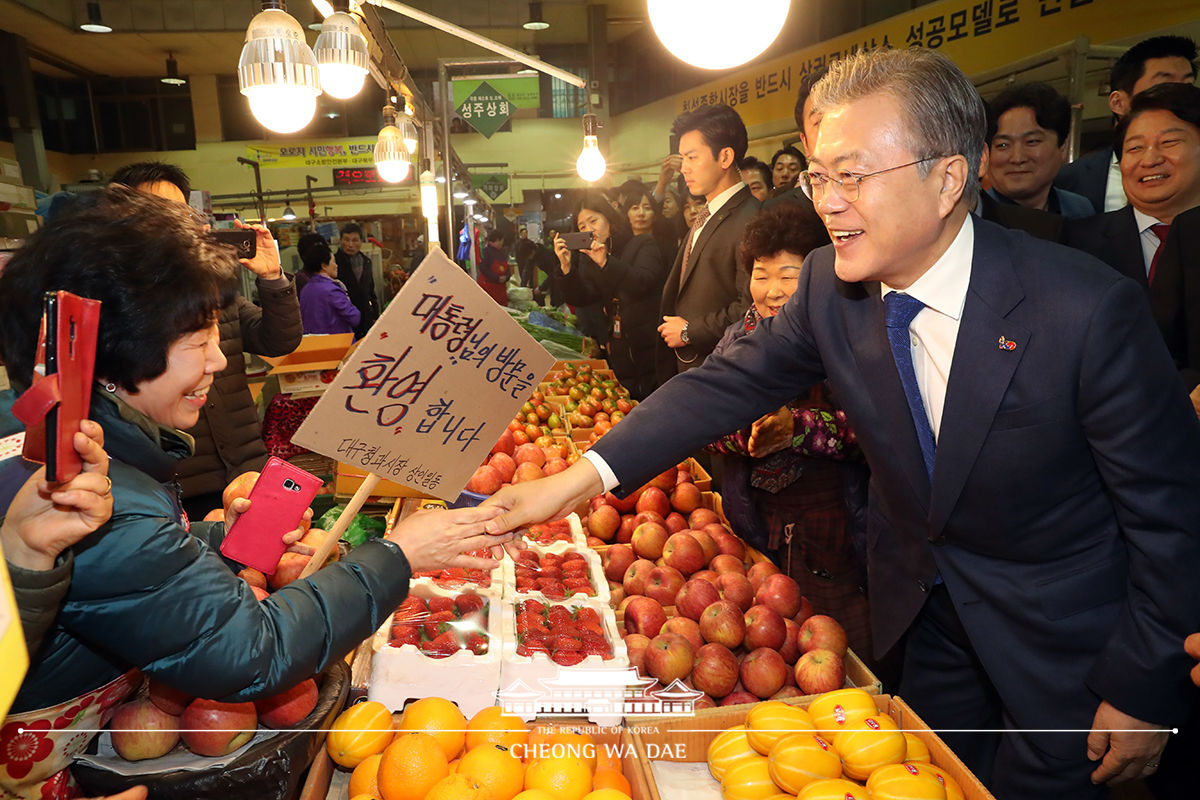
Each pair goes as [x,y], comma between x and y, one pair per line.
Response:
[485,109]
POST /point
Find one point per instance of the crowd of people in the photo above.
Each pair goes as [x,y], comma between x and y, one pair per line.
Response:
[907,341]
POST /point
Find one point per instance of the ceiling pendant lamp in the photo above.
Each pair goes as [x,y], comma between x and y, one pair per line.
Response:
[342,56]
[391,156]
[277,71]
[94,22]
[535,21]
[173,78]
[687,31]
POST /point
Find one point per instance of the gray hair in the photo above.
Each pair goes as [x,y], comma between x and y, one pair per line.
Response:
[946,114]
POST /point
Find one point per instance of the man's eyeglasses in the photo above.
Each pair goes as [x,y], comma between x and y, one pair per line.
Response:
[813,184]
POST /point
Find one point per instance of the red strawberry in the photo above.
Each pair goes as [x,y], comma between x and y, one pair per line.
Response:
[477,643]
[444,645]
[559,615]
[567,658]
[566,642]
[579,585]
[572,555]
[592,647]
[572,568]
[404,634]
[533,606]
[586,614]
[467,603]
[412,609]
[438,604]
[554,590]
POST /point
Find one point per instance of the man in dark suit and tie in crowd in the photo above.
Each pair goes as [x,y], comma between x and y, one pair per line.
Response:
[705,290]
[1159,142]
[1160,59]
[1034,533]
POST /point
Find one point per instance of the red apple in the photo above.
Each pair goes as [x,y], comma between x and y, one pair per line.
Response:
[216,515]
[168,698]
[820,671]
[644,615]
[736,587]
[635,646]
[604,522]
[648,516]
[759,571]
[649,538]
[287,709]
[791,645]
[554,466]
[781,593]
[654,499]
[529,454]
[253,577]
[684,553]
[707,544]
[703,701]
[687,628]
[616,593]
[597,501]
[764,628]
[628,599]
[485,480]
[141,730]
[664,480]
[723,623]
[669,658]
[715,671]
[821,632]
[626,505]
[701,517]
[727,563]
[505,443]
[211,728]
[619,558]
[628,526]
[504,464]
[238,487]
[806,611]
[663,583]
[739,697]
[706,575]
[634,579]
[695,596]
[527,471]
[786,692]
[674,523]
[686,498]
[763,672]
[289,568]
[726,542]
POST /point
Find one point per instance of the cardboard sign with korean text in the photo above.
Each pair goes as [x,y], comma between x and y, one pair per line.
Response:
[431,387]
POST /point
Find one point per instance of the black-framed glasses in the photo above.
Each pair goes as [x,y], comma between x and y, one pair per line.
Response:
[813,184]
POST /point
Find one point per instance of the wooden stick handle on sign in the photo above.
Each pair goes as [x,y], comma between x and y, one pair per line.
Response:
[343,521]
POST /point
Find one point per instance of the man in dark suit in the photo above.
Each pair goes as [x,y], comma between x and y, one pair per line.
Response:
[806,125]
[1160,59]
[1159,140]
[1035,493]
[354,270]
[705,290]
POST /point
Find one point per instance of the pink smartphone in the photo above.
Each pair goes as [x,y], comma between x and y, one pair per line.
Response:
[277,503]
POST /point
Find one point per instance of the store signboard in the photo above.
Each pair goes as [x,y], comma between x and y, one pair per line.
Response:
[978,35]
[328,153]
[431,387]
[485,109]
[357,176]
[492,185]
[520,90]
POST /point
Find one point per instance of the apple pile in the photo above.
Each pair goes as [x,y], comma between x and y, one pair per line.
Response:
[441,626]
[456,577]
[511,462]
[557,576]
[669,503]
[152,724]
[567,635]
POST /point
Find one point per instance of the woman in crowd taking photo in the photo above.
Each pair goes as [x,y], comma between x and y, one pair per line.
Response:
[150,593]
[625,274]
[325,306]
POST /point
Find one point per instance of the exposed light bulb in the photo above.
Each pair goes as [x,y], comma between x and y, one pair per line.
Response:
[391,157]
[690,35]
[408,130]
[288,213]
[277,72]
[341,53]
[429,200]
[590,165]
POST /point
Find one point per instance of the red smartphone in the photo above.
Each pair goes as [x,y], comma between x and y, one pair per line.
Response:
[277,503]
[61,394]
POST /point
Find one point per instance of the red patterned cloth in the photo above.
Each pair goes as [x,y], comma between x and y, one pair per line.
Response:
[282,420]
[37,747]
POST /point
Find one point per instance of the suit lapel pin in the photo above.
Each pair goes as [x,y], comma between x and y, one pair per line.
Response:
[1007,344]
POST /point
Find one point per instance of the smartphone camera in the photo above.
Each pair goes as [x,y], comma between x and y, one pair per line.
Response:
[291,485]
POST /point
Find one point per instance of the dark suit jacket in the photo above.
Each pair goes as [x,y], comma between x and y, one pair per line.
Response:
[362,292]
[1088,176]
[1175,296]
[1041,224]
[1064,508]
[713,292]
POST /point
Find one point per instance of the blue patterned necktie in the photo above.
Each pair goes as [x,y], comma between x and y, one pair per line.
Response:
[900,311]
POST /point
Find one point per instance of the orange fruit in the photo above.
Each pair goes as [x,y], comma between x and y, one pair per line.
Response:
[535,794]
[916,749]
[748,780]
[566,778]
[363,797]
[608,758]
[441,719]
[365,778]
[362,730]
[953,790]
[494,767]
[457,787]
[572,743]
[905,782]
[539,736]
[834,789]
[869,745]
[411,766]
[453,766]
[492,726]
[606,794]
[800,759]
[611,779]
[770,721]
[729,748]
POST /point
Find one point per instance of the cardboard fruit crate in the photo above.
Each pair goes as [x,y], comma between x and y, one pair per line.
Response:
[686,739]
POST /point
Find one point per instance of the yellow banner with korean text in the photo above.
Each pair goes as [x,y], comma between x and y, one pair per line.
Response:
[979,35]
[355,152]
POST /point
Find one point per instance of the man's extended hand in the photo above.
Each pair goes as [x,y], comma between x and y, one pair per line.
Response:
[552,497]
[437,539]
[671,331]
[1129,747]
[771,433]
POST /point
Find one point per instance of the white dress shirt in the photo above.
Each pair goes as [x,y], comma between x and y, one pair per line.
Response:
[933,332]
[1149,241]
[1114,190]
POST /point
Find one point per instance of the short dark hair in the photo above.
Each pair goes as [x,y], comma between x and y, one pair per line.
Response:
[1181,99]
[495,235]
[788,150]
[1131,66]
[751,164]
[618,223]
[636,194]
[1050,109]
[806,86]
[135,175]
[316,256]
[720,126]
[352,227]
[783,227]
[629,187]
[113,248]
[307,240]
